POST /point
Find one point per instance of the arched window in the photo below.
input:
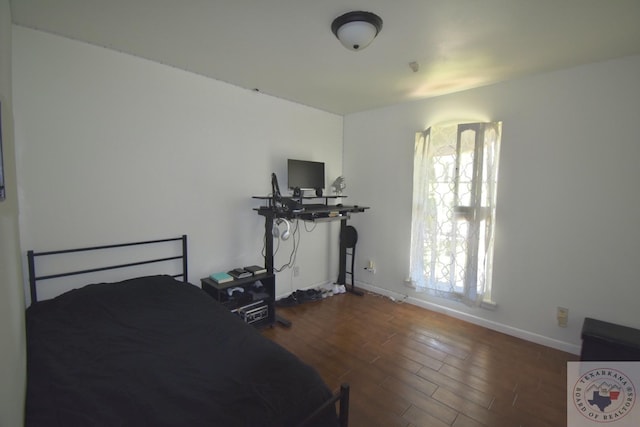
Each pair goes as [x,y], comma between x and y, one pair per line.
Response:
[455,179]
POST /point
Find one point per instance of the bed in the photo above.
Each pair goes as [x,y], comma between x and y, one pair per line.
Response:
[157,351]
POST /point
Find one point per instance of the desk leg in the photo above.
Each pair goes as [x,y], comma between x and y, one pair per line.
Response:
[268,243]
[342,269]
[283,321]
[354,291]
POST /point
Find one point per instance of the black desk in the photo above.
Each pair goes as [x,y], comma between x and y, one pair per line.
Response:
[316,213]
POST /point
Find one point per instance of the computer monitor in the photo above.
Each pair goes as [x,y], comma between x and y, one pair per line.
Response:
[305,175]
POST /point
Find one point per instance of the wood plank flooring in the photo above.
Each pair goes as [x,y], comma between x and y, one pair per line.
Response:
[411,367]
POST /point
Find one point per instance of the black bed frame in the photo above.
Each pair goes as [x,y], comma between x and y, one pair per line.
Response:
[341,396]
[31,257]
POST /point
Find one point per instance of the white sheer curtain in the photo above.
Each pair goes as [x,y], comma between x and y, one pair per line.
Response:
[420,207]
[453,213]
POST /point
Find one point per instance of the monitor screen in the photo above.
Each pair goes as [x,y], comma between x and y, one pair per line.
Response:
[305,175]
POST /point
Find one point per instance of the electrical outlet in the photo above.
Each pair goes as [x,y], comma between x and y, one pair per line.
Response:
[371,267]
[563,317]
[296,271]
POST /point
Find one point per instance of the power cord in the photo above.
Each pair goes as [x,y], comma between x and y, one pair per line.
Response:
[294,250]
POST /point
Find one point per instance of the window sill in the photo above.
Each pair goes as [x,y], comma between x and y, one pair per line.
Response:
[489,305]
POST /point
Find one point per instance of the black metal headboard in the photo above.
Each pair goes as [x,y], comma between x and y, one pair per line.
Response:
[31,257]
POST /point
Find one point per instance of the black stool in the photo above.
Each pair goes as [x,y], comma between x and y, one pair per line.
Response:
[349,238]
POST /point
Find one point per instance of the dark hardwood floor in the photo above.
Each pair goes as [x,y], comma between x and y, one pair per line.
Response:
[408,366]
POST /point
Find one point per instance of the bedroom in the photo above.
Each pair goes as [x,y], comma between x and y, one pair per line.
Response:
[163,150]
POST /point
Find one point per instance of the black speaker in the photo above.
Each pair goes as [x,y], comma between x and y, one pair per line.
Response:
[319,192]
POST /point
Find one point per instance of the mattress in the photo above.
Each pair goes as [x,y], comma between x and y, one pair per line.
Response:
[153,351]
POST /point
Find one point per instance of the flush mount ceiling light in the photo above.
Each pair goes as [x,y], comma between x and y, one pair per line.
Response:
[356,30]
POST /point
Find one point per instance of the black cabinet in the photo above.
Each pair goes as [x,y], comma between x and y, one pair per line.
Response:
[608,341]
[251,298]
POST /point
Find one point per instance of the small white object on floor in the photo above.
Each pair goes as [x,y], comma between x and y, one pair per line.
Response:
[339,289]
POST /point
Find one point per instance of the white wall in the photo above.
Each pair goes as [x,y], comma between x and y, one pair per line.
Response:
[568,198]
[112,147]
[116,148]
[12,336]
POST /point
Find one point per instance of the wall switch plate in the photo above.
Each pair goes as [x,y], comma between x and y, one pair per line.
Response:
[563,317]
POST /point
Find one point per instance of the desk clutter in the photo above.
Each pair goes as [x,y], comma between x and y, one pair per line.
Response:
[252,298]
[239,295]
[237,273]
[310,295]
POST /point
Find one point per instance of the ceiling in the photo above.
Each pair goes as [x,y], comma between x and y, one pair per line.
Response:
[285,48]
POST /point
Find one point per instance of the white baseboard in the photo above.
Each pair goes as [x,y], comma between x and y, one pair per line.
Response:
[509,330]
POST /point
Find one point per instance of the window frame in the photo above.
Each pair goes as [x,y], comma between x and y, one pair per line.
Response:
[478,212]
